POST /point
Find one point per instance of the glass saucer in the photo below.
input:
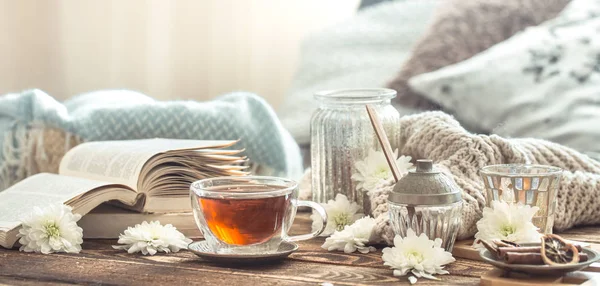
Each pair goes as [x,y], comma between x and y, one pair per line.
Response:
[202,249]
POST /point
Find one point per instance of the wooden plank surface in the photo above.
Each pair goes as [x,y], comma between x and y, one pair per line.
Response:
[311,265]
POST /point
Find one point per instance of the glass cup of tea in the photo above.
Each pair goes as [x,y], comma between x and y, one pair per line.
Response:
[534,185]
[248,215]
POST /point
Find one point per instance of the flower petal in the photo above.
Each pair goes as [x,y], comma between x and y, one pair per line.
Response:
[51,229]
[416,254]
[151,238]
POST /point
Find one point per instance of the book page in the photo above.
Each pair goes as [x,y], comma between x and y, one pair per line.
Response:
[40,190]
[121,162]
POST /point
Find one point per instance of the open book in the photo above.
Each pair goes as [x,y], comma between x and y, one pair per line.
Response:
[151,175]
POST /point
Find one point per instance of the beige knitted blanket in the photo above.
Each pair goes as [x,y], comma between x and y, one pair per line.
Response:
[460,154]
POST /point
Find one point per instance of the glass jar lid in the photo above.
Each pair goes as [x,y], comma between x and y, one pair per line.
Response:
[425,186]
[355,96]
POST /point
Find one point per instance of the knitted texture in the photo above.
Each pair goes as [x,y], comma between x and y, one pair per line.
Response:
[126,115]
[460,155]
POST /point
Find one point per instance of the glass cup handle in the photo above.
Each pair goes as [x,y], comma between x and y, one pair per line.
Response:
[317,207]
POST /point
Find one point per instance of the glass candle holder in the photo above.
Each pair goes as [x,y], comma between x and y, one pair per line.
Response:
[342,134]
[533,185]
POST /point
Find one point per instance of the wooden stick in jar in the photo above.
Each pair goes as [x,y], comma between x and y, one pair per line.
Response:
[384,141]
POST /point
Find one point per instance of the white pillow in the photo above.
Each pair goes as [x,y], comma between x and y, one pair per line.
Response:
[364,51]
[542,83]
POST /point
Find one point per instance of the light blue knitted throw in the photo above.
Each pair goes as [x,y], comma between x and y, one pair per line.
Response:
[122,115]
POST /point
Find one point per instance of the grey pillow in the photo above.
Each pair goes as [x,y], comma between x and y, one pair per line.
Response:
[464,28]
[542,83]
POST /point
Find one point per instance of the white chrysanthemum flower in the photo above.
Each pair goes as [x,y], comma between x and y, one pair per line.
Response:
[152,237]
[354,237]
[417,254]
[374,170]
[51,229]
[507,221]
[340,213]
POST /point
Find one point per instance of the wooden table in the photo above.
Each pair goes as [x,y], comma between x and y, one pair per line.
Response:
[98,263]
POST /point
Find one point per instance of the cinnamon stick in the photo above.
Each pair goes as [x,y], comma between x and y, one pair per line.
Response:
[523,258]
[531,258]
[523,249]
[526,249]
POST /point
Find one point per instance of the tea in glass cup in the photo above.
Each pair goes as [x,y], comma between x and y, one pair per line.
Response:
[248,214]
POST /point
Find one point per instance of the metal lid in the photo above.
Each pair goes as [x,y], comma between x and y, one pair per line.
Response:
[425,186]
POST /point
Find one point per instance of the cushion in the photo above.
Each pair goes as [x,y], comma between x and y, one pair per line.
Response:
[363,51]
[462,29]
[542,83]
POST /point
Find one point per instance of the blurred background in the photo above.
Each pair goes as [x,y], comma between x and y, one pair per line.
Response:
[184,49]
[486,62]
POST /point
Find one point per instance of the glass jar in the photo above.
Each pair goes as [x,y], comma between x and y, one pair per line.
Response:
[342,134]
[428,202]
[435,221]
